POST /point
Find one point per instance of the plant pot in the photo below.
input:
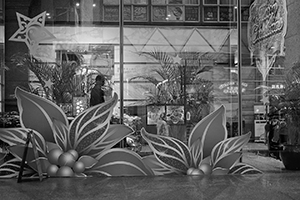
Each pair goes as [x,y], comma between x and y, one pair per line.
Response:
[290,156]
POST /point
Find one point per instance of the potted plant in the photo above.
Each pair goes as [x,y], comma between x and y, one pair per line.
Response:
[287,107]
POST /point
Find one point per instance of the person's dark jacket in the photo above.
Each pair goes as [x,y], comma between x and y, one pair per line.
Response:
[97,95]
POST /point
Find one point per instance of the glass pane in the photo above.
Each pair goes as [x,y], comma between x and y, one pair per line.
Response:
[226,13]
[140,13]
[191,1]
[111,13]
[140,1]
[113,2]
[175,1]
[157,2]
[228,2]
[127,13]
[175,13]
[159,13]
[191,13]
[210,1]
[210,13]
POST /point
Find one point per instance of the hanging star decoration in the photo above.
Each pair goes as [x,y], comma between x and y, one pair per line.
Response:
[48,83]
[265,100]
[177,60]
[31,31]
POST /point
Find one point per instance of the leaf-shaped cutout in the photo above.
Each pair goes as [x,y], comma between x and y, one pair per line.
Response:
[242,168]
[37,113]
[157,168]
[229,146]
[228,160]
[89,127]
[61,132]
[171,152]
[88,161]
[209,131]
[18,136]
[18,151]
[11,168]
[114,134]
[120,162]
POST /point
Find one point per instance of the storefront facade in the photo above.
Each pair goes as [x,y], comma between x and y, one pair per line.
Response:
[198,40]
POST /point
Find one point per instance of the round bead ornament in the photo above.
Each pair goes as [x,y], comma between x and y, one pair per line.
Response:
[74,153]
[53,156]
[66,159]
[52,170]
[78,167]
[65,171]
[206,168]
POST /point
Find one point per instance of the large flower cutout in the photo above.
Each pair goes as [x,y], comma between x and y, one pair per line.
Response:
[209,151]
[82,147]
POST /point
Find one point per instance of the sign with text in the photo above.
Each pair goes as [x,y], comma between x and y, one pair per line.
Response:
[267,26]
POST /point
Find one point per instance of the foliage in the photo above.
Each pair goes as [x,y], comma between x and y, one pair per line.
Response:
[62,77]
[286,104]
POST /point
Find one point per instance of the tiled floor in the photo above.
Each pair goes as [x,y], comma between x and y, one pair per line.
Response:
[275,184]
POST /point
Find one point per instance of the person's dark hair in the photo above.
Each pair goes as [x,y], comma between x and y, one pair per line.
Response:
[100,78]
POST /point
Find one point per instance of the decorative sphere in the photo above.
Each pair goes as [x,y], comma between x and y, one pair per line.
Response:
[52,170]
[65,171]
[206,168]
[53,156]
[66,159]
[190,170]
[74,153]
[78,167]
[197,172]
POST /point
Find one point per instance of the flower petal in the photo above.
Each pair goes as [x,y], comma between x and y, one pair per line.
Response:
[114,134]
[156,166]
[209,131]
[242,168]
[170,152]
[37,113]
[229,146]
[88,128]
[88,161]
[120,162]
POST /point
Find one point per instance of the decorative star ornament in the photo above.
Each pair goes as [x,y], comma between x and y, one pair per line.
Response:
[177,60]
[31,31]
[265,100]
[48,83]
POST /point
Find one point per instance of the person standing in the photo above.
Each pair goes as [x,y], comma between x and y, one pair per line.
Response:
[97,92]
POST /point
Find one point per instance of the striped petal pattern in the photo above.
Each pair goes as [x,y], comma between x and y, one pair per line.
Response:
[171,152]
[88,128]
[120,162]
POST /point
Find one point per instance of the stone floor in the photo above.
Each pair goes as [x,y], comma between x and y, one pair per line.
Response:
[275,183]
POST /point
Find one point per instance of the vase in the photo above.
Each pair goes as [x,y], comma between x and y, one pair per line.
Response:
[290,156]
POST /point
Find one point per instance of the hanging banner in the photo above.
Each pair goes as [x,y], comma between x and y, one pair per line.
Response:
[267,26]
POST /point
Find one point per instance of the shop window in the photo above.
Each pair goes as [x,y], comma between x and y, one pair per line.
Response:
[134,10]
[224,10]
[175,10]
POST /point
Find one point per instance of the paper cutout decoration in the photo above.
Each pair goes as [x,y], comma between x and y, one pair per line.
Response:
[31,31]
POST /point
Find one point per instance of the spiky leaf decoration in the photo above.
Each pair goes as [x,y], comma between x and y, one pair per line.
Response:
[242,168]
[173,153]
[18,136]
[120,162]
[88,128]
[157,167]
[38,113]
[206,134]
[227,152]
[115,133]
[11,168]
